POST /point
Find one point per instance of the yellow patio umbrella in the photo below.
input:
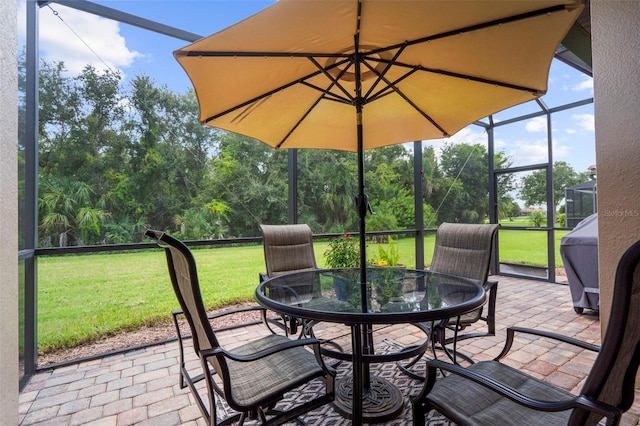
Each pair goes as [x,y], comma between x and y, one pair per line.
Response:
[359,74]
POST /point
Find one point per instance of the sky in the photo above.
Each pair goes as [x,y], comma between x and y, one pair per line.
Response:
[80,38]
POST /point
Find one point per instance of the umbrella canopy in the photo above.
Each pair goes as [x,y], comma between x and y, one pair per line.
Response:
[358,74]
[286,76]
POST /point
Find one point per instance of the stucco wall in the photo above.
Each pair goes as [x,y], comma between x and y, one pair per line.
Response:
[616,71]
[8,215]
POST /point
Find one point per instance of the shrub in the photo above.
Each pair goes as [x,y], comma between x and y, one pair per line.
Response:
[387,256]
[343,252]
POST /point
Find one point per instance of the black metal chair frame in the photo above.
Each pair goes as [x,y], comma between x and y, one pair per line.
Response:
[276,354]
[490,286]
[442,262]
[291,246]
[276,249]
[608,390]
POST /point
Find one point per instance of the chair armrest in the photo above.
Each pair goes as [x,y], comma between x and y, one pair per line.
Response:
[559,337]
[285,345]
[519,398]
[219,314]
[489,285]
[224,313]
[215,315]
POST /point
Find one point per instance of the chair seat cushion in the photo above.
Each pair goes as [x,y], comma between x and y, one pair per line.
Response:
[275,374]
[468,403]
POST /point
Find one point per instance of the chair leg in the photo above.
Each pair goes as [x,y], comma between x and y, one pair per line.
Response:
[183,382]
[420,408]
[491,314]
[406,369]
[268,322]
[438,342]
[430,331]
[289,325]
[418,414]
[490,320]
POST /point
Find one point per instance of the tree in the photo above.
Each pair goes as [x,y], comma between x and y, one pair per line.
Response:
[534,186]
[251,179]
[327,186]
[144,160]
[389,184]
[67,216]
[80,121]
[538,219]
[461,193]
[142,154]
[510,210]
[170,155]
[204,223]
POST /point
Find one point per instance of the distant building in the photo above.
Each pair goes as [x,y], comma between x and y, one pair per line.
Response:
[529,210]
[581,201]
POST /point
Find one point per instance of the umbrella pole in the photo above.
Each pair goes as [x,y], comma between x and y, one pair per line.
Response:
[362,204]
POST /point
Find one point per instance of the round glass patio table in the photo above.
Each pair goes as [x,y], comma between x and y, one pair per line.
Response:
[394,295]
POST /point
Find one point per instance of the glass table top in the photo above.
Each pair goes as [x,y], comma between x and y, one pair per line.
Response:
[391,294]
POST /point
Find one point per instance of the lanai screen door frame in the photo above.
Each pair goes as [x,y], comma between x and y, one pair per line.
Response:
[29,219]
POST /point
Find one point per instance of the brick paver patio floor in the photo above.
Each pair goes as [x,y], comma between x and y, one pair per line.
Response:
[141,386]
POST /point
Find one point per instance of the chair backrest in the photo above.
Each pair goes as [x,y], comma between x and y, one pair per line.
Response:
[288,248]
[464,250]
[184,277]
[612,377]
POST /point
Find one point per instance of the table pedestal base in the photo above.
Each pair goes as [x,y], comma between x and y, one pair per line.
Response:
[381,402]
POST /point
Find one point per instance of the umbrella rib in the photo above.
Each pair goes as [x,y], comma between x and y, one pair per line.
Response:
[483,80]
[413,68]
[328,96]
[325,94]
[301,80]
[334,81]
[256,54]
[496,22]
[476,27]
[295,126]
[388,65]
[402,46]
[466,77]
[393,87]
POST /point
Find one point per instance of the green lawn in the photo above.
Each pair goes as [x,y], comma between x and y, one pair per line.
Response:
[527,247]
[84,297]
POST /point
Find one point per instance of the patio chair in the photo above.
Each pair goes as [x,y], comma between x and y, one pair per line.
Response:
[463,250]
[492,393]
[251,378]
[288,248]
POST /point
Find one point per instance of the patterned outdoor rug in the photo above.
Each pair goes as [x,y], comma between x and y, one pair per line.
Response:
[328,416]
